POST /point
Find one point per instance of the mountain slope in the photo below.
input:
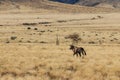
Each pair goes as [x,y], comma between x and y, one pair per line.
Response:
[49,5]
[92,3]
[114,3]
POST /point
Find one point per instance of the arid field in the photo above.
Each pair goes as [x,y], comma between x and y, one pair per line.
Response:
[28,49]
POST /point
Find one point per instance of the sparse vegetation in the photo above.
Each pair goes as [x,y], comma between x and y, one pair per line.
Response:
[33,54]
[43,42]
[1,25]
[74,37]
[61,21]
[57,40]
[93,18]
[28,41]
[29,24]
[20,41]
[45,22]
[7,41]
[13,37]
[35,28]
[50,31]
[91,42]
[99,17]
[29,28]
[42,31]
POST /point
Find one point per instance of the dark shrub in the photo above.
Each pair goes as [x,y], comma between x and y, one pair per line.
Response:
[29,28]
[13,37]
[35,28]
[74,37]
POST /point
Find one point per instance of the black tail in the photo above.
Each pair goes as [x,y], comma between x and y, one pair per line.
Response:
[84,51]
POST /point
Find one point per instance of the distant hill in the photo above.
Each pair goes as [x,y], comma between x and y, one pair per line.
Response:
[93,3]
[67,1]
[74,6]
[112,3]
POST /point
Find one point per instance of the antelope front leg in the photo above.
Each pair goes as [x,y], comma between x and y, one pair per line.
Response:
[73,54]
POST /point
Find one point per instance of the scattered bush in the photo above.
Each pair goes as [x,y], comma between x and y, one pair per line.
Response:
[43,42]
[29,28]
[50,31]
[61,21]
[40,34]
[13,32]
[42,31]
[13,37]
[91,42]
[74,37]
[47,25]
[96,34]
[99,16]
[111,40]
[29,23]
[1,25]
[7,41]
[20,40]
[44,22]
[103,37]
[35,28]
[29,41]
[115,38]
[93,18]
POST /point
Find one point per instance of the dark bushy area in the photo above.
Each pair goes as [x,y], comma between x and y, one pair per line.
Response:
[67,1]
[114,3]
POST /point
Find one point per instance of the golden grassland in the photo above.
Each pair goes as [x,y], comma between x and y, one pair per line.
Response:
[28,50]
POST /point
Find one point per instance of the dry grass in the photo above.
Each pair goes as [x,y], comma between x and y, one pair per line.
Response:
[33,55]
[50,62]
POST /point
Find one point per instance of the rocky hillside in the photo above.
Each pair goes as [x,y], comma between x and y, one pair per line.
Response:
[100,3]
[94,3]
[54,5]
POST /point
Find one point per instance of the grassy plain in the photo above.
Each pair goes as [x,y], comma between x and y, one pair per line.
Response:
[28,50]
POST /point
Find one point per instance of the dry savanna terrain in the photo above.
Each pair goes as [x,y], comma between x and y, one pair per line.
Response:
[28,49]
